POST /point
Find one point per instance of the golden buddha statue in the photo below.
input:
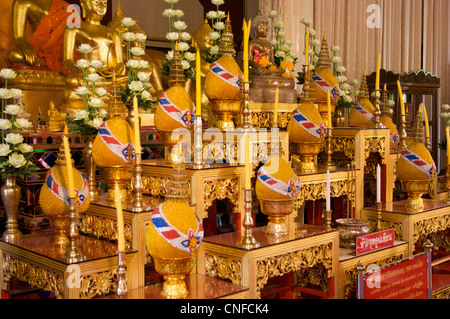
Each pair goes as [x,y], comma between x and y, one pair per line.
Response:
[56,120]
[107,48]
[265,76]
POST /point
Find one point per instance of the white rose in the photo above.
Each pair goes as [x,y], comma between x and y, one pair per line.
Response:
[85,49]
[341,69]
[13,109]
[146,96]
[341,79]
[141,37]
[96,64]
[7,74]
[133,63]
[347,98]
[81,115]
[93,77]
[100,92]
[445,106]
[5,94]
[168,13]
[306,21]
[5,124]
[273,14]
[143,76]
[280,54]
[178,13]
[211,15]
[217,2]
[17,160]
[14,138]
[214,49]
[128,22]
[214,35]
[345,87]
[185,64]
[312,32]
[169,55]
[354,82]
[221,14]
[171,1]
[129,36]
[136,86]
[82,64]
[278,25]
[185,36]
[172,36]
[287,42]
[137,51]
[96,102]
[315,42]
[96,122]
[180,25]
[103,113]
[285,47]
[391,103]
[82,91]
[336,59]
[219,25]
[22,123]
[26,148]
[189,56]
[144,64]
[4,149]
[16,94]
[335,48]
[183,46]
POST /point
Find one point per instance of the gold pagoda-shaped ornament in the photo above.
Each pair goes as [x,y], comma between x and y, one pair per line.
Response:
[361,115]
[226,45]
[176,76]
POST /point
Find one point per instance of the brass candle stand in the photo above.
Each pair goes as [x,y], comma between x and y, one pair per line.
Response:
[329,143]
[246,123]
[198,143]
[247,240]
[138,204]
[73,254]
[122,285]
[377,114]
[403,134]
[378,206]
[328,214]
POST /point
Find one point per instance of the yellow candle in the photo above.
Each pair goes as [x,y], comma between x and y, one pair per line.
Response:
[248,175]
[307,46]
[425,117]
[447,134]
[329,124]
[137,132]
[377,79]
[198,96]
[402,103]
[246,48]
[120,227]
[275,109]
[70,180]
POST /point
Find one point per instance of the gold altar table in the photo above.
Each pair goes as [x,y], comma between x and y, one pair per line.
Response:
[100,220]
[357,144]
[348,262]
[306,247]
[199,287]
[35,260]
[414,226]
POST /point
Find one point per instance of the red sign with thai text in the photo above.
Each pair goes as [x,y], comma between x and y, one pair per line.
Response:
[375,241]
[405,280]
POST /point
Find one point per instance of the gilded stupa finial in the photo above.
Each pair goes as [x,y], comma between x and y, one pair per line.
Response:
[364,89]
[308,93]
[116,106]
[176,76]
[324,55]
[226,45]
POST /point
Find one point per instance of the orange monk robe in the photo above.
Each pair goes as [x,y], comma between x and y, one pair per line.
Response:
[49,36]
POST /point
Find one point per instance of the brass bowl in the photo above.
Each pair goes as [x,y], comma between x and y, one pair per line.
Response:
[121,175]
[61,225]
[415,190]
[225,111]
[277,211]
[174,271]
[307,152]
[350,229]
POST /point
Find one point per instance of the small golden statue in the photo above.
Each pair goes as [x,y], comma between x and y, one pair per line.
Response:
[56,120]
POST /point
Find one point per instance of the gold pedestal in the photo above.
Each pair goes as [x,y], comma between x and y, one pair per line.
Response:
[61,225]
[277,211]
[174,271]
[120,175]
[307,152]
[415,190]
[225,111]
[169,143]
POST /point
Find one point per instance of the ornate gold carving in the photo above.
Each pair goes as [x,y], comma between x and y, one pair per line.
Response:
[35,276]
[221,189]
[98,284]
[103,228]
[316,276]
[265,119]
[387,224]
[155,186]
[344,145]
[316,191]
[428,227]
[224,268]
[443,293]
[375,145]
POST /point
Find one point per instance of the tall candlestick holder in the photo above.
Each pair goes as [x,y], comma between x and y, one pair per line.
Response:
[246,123]
[377,114]
[122,285]
[247,240]
[328,214]
[403,134]
[138,204]
[73,254]
[329,143]
[198,143]
[378,206]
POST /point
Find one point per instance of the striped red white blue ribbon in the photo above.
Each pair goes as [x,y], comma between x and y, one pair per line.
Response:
[125,151]
[364,113]
[318,131]
[185,117]
[62,193]
[291,189]
[335,92]
[418,162]
[222,73]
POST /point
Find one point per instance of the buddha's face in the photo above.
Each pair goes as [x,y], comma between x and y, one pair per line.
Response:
[261,30]
[98,7]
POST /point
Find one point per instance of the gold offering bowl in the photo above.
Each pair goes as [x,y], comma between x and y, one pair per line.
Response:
[415,190]
[307,152]
[277,211]
[174,271]
[117,174]
[61,225]
[350,229]
[225,111]
[169,143]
